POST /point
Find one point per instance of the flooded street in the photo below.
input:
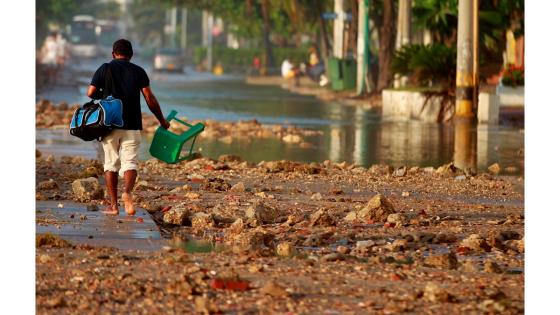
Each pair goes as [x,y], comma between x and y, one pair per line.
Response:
[353,134]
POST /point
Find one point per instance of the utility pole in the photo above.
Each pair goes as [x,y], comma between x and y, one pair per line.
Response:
[403,33]
[465,151]
[173,33]
[363,83]
[184,29]
[210,37]
[338,29]
[465,81]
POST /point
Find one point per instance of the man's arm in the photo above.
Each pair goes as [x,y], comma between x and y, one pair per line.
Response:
[153,105]
[93,92]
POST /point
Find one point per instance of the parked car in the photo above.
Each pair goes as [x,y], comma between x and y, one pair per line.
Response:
[168,59]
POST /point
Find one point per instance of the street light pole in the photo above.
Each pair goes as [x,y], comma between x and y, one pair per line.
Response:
[338,29]
[465,80]
[362,82]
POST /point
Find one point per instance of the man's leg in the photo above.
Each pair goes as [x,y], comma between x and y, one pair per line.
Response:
[129,181]
[112,181]
[129,156]
[110,144]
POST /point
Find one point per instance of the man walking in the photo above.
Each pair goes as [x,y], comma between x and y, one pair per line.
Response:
[129,80]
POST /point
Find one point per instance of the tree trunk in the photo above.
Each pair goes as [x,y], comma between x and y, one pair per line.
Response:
[386,46]
[269,58]
[353,30]
[325,45]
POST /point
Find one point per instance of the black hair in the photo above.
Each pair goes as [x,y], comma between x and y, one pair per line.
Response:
[122,47]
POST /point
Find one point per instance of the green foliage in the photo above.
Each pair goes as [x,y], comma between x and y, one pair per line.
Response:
[438,16]
[426,65]
[513,76]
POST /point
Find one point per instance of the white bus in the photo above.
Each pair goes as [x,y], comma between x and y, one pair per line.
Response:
[83,39]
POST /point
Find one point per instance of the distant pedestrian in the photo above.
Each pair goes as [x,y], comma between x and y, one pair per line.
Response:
[315,69]
[47,58]
[120,147]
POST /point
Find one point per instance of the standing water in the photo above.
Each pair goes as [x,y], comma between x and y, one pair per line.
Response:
[353,134]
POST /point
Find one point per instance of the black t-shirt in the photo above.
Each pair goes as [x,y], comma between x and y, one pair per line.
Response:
[129,79]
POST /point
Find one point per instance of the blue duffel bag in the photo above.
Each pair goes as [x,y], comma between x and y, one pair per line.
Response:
[93,121]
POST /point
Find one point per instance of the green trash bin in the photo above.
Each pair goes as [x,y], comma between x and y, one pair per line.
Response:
[167,146]
[342,73]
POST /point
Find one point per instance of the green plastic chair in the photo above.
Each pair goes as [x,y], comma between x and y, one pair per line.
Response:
[166,145]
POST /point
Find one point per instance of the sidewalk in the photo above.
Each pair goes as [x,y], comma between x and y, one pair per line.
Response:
[308,87]
[73,222]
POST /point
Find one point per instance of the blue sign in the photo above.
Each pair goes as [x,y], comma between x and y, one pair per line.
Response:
[333,15]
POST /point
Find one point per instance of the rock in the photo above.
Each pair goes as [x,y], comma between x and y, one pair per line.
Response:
[252,240]
[37,153]
[317,196]
[259,213]
[87,189]
[399,245]
[176,216]
[492,267]
[57,302]
[436,294]
[476,243]
[333,257]
[460,177]
[470,266]
[351,216]
[400,172]
[377,209]
[236,227]
[192,195]
[47,185]
[203,305]
[50,158]
[507,235]
[381,169]
[239,187]
[365,244]
[292,138]
[44,259]
[322,218]
[201,220]
[228,158]
[494,169]
[285,249]
[398,218]
[443,261]
[444,238]
[343,250]
[51,241]
[92,207]
[274,289]
[447,169]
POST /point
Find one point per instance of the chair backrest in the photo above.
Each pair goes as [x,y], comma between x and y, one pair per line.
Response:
[167,146]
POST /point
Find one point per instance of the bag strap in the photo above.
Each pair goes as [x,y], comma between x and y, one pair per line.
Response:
[109,88]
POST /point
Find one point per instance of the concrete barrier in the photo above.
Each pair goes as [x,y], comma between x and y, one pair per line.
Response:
[407,105]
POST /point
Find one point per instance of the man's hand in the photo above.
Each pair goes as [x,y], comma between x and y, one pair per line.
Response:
[153,105]
[164,124]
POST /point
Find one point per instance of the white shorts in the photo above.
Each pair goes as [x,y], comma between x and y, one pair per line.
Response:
[125,141]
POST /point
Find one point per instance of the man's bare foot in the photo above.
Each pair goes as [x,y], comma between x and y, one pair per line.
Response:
[111,210]
[128,204]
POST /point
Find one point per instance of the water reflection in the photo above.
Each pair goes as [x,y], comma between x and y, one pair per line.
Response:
[464,155]
[352,134]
